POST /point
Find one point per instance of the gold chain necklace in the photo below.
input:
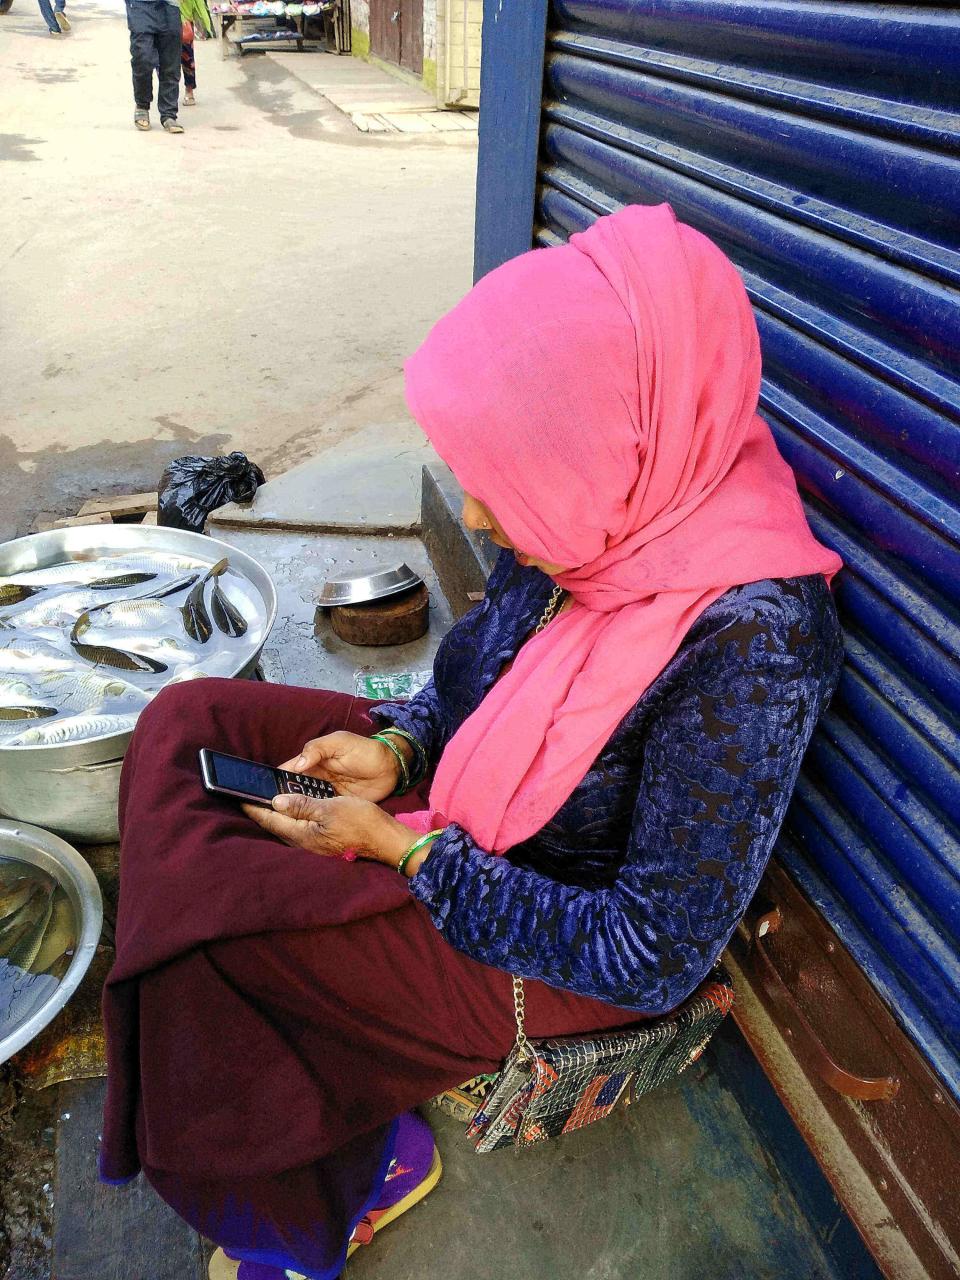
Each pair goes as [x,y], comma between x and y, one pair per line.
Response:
[522,1045]
[552,609]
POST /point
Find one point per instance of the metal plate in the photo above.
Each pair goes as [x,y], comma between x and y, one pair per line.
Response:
[60,860]
[368,584]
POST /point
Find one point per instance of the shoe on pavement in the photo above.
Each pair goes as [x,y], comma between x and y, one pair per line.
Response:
[188,99]
[172,126]
[414,1171]
[62,21]
[58,33]
[141,119]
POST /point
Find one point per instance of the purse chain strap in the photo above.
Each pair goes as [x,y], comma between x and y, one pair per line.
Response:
[522,1046]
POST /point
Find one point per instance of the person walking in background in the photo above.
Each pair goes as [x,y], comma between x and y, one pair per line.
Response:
[155,36]
[54,16]
[193,14]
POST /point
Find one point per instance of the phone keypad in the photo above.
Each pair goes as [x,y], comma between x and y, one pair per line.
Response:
[299,784]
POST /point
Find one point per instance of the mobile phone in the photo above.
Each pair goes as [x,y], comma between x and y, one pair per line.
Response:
[256,783]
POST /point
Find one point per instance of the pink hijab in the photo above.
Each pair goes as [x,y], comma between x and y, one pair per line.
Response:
[600,398]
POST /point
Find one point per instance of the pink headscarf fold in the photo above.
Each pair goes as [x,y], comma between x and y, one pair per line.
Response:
[600,398]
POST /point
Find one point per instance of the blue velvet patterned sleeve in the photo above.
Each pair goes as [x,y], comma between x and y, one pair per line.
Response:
[712,764]
[422,717]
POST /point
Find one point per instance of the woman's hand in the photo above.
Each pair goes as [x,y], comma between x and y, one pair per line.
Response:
[334,827]
[356,766]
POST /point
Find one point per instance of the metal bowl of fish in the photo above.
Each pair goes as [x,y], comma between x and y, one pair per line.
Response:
[51,913]
[94,621]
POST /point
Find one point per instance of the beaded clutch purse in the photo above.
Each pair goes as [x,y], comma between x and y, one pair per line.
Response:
[550,1087]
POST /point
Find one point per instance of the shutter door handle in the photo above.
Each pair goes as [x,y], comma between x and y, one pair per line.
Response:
[866,1088]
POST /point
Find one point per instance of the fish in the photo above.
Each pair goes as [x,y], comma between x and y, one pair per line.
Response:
[31,655]
[26,712]
[11,690]
[128,615]
[56,611]
[73,729]
[60,935]
[59,967]
[81,690]
[67,573]
[120,580]
[155,562]
[226,615]
[16,593]
[102,655]
[20,943]
[15,890]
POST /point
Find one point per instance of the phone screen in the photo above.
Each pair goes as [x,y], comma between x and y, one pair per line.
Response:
[245,776]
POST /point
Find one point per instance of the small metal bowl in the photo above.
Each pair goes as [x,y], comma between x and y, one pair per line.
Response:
[365,585]
[61,861]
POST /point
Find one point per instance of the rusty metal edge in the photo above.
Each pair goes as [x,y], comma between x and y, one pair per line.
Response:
[852,1186]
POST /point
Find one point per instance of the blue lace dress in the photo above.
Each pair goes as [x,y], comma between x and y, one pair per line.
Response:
[633,889]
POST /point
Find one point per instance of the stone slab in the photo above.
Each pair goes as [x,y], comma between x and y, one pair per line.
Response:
[369,484]
[110,1233]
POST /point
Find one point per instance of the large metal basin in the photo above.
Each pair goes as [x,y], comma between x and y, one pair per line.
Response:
[58,859]
[72,788]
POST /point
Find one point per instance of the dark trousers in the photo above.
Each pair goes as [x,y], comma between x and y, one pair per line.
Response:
[189,64]
[155,32]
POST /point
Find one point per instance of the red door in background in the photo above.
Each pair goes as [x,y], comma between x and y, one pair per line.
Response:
[396,32]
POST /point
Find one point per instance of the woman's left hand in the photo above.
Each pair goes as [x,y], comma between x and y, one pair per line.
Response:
[334,827]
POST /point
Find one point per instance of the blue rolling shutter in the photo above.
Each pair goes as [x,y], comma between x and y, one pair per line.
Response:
[817,144]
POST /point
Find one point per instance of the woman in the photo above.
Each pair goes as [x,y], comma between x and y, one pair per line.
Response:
[613,734]
[193,15]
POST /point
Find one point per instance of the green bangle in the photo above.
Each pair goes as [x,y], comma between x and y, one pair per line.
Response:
[416,847]
[420,762]
[403,782]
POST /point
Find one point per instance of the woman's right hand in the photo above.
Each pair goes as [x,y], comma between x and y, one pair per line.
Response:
[356,766]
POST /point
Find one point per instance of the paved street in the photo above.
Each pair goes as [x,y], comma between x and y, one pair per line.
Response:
[254,284]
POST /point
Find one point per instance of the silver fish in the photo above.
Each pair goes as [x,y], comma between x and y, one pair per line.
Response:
[127,615]
[68,572]
[31,655]
[72,729]
[12,690]
[149,562]
[58,610]
[83,690]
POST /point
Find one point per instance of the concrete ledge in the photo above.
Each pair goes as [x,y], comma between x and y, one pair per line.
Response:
[366,485]
[462,559]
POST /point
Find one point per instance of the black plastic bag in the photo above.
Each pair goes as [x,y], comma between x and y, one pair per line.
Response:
[190,488]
